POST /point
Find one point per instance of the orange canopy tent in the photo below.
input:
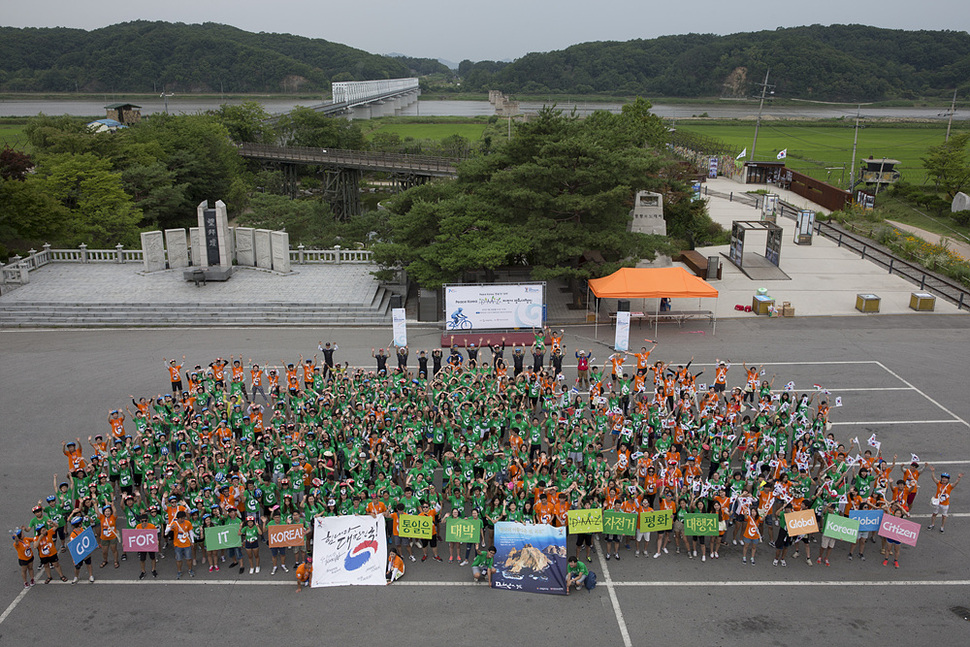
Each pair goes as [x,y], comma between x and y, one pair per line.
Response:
[652,283]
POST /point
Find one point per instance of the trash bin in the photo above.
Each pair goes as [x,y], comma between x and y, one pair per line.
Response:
[867,303]
[623,305]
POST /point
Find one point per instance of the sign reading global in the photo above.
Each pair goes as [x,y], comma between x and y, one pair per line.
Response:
[509,305]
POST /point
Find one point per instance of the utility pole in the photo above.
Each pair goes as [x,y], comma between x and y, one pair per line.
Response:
[953,107]
[757,125]
[855,142]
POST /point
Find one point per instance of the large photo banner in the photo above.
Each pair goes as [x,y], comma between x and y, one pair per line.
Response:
[622,340]
[349,550]
[530,558]
[475,307]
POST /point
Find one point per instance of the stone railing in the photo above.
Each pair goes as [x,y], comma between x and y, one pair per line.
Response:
[303,256]
[18,268]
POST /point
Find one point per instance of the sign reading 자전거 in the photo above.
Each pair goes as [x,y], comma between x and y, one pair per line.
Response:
[468,531]
[656,520]
[284,535]
[585,521]
[619,523]
[418,526]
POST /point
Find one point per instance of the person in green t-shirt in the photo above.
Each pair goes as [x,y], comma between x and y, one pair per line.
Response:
[576,574]
[484,564]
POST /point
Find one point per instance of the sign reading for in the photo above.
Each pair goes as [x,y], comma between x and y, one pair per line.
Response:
[219,537]
[801,523]
[418,526]
[701,524]
[144,540]
[583,522]
[290,534]
[619,523]
[843,528]
[656,520]
[468,531]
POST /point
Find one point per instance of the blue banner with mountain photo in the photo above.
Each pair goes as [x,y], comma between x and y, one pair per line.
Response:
[530,558]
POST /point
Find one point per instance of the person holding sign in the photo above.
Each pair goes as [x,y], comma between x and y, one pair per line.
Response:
[893,550]
[77,530]
[941,502]
[145,524]
[250,532]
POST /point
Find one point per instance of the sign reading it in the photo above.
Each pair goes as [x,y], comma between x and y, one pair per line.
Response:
[219,537]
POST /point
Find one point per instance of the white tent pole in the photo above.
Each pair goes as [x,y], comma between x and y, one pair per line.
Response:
[656,321]
[714,331]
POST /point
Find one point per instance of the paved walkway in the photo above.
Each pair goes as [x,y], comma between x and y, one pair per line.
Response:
[111,283]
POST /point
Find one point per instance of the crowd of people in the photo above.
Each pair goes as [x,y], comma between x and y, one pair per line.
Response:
[463,434]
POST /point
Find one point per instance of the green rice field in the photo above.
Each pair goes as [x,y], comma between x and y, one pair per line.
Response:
[470,131]
[815,148]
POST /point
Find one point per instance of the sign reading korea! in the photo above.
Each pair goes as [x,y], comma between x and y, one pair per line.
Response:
[284,535]
[509,305]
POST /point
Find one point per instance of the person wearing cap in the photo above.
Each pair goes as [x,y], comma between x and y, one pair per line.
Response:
[45,546]
[212,556]
[277,553]
[144,523]
[174,373]
[75,455]
[108,535]
[25,556]
[941,502]
[250,532]
[76,529]
[234,554]
[182,535]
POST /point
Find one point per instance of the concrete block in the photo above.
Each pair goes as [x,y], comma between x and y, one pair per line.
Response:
[245,247]
[177,247]
[280,248]
[153,249]
[195,242]
[263,248]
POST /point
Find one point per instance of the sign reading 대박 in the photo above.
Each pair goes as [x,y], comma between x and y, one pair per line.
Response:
[468,531]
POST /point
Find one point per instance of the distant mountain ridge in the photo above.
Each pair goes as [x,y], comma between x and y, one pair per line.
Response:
[145,56]
[833,63]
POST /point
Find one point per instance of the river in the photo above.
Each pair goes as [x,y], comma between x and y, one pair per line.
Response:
[437,108]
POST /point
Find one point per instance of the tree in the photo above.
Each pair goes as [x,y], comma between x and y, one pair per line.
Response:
[560,188]
[247,122]
[14,164]
[305,127]
[101,214]
[949,165]
[308,222]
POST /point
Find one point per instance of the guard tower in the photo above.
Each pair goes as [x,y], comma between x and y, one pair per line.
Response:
[647,215]
[879,171]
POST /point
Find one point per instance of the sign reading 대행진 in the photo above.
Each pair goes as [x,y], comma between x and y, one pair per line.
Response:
[468,531]
[619,523]
[701,524]
[418,526]
[284,535]
[219,537]
[134,540]
[802,522]
[656,520]
[583,522]
[839,527]
[511,305]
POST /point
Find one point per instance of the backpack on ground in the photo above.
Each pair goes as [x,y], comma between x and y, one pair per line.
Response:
[590,582]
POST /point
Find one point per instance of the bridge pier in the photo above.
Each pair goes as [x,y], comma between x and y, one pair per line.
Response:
[341,190]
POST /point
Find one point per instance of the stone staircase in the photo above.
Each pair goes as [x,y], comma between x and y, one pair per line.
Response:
[98,315]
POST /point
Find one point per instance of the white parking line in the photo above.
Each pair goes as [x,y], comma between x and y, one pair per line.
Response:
[708,583]
[624,632]
[900,422]
[907,383]
[13,605]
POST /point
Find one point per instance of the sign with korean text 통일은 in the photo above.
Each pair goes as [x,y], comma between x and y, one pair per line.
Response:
[418,526]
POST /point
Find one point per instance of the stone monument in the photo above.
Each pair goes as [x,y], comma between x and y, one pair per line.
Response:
[264,252]
[647,215]
[178,250]
[245,249]
[153,251]
[280,244]
[216,253]
[961,202]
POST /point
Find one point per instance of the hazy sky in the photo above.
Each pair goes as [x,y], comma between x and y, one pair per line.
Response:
[496,29]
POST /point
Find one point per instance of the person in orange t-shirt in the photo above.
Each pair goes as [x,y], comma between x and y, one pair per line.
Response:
[303,573]
[751,535]
[395,566]
[108,535]
[25,556]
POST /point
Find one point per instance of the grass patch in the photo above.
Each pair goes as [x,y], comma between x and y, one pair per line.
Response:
[815,147]
[435,129]
[12,133]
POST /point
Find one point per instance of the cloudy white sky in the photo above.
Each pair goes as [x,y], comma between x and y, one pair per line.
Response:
[496,29]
